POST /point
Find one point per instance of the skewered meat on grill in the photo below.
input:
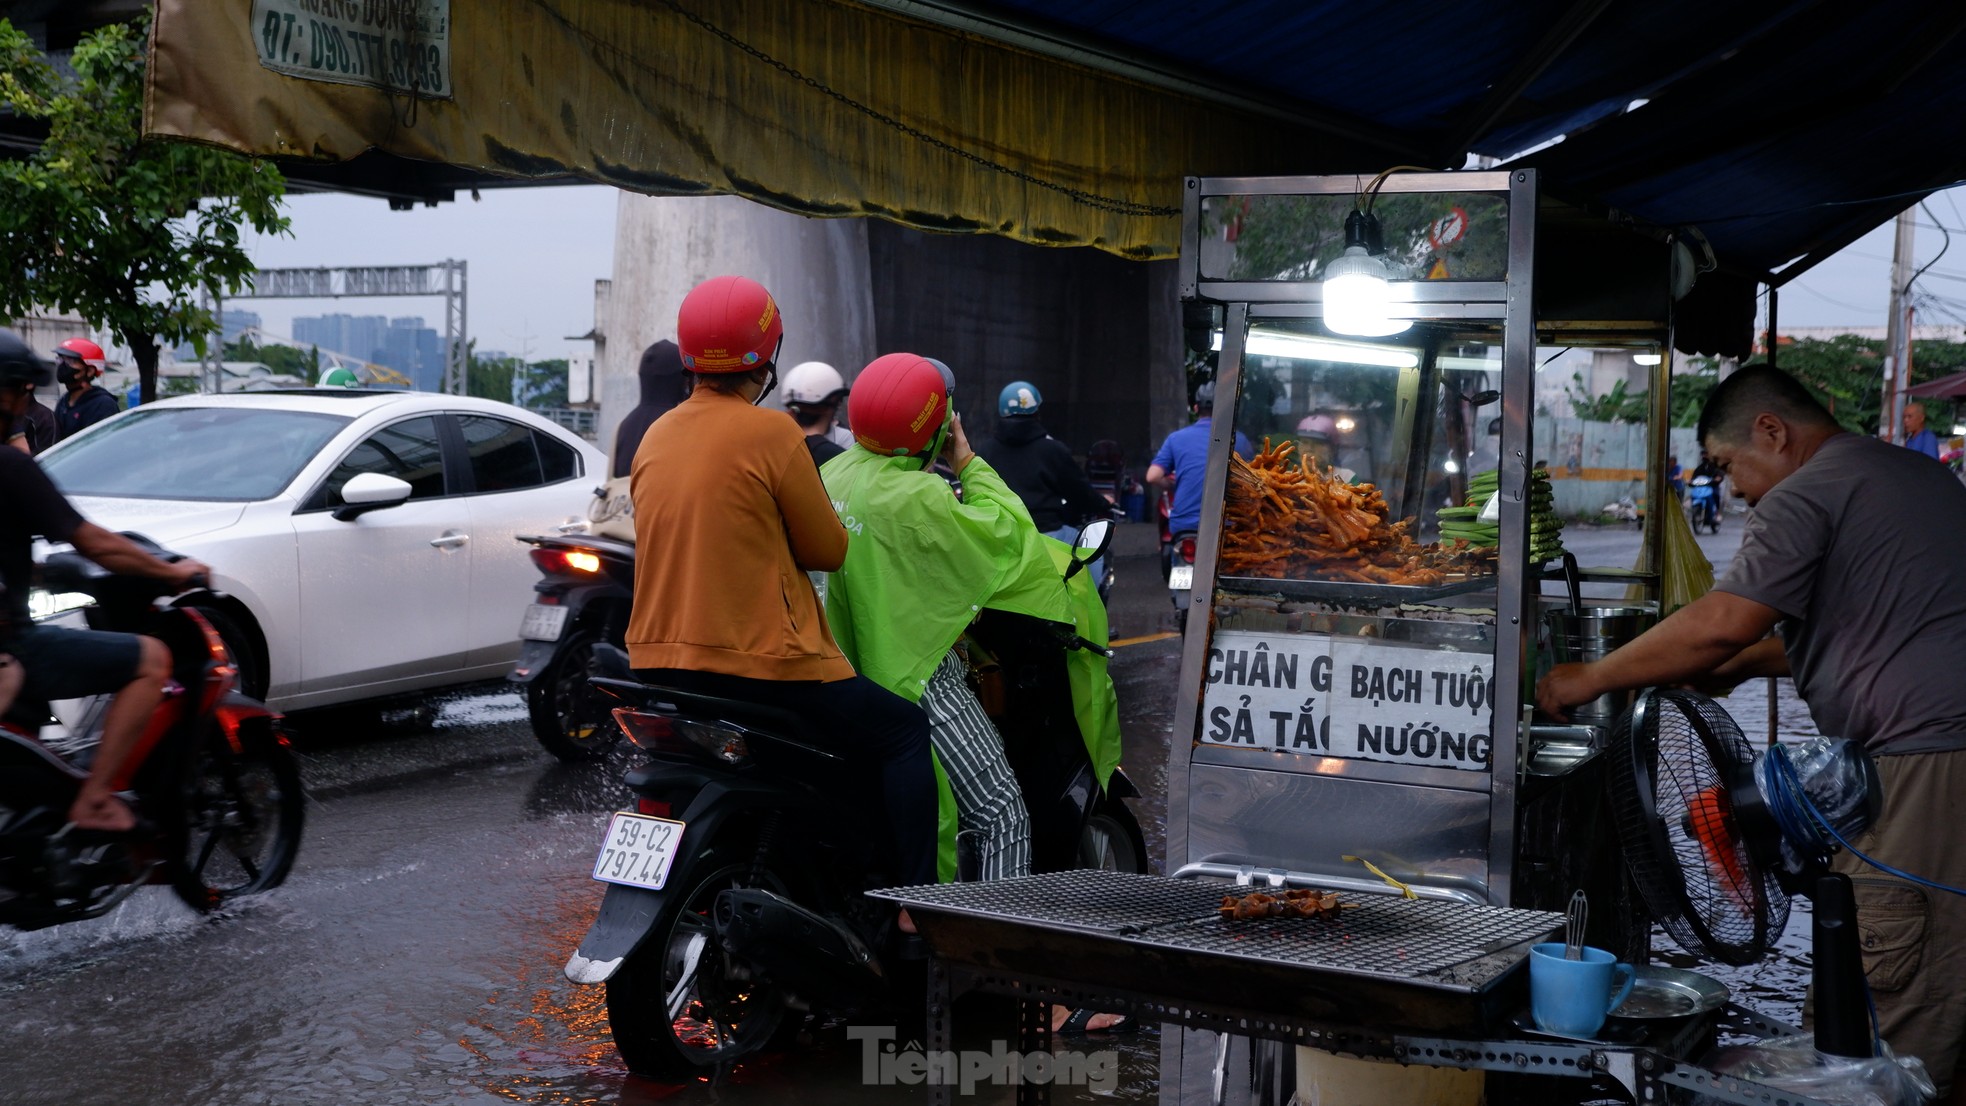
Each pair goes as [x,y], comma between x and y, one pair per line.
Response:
[1298,902]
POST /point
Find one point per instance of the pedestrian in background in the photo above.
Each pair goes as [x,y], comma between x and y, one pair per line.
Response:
[79,363]
[1918,439]
[663,387]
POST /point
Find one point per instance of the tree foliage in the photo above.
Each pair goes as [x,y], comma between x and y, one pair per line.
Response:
[121,230]
[1620,404]
[289,360]
[1293,237]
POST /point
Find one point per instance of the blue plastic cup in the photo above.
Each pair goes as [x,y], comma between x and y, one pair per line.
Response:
[1572,997]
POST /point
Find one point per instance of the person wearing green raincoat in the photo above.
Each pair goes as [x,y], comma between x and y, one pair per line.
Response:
[920,565]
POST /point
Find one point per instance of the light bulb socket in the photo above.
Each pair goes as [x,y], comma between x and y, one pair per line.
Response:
[1362,230]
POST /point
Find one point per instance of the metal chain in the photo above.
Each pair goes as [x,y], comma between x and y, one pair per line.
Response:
[1077,195]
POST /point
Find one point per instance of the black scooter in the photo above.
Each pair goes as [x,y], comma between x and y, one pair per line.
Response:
[735,887]
[217,792]
[585,590]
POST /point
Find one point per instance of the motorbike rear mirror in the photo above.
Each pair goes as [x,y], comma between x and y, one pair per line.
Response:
[370,491]
[1090,545]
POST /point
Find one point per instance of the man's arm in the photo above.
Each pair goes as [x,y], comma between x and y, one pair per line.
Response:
[124,557]
[1068,479]
[1699,639]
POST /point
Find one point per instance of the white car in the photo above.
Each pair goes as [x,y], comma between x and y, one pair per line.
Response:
[363,541]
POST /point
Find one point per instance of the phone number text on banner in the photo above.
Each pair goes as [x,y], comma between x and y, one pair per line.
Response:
[401,45]
[1315,695]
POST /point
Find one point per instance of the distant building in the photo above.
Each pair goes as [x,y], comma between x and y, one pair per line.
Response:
[363,336]
[232,322]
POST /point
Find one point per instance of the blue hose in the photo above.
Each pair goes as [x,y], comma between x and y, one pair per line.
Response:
[1804,825]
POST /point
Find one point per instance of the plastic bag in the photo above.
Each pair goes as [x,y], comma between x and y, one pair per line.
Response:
[1793,1064]
[612,513]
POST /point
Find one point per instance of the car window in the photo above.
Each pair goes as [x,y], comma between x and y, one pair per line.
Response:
[503,457]
[409,450]
[557,459]
[182,452]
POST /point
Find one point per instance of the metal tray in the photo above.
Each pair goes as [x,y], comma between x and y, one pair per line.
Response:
[1343,593]
[1661,992]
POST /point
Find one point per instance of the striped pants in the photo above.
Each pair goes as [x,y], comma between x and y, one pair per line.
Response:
[971,752]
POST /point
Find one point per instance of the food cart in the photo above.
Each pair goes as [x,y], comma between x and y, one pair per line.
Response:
[1355,706]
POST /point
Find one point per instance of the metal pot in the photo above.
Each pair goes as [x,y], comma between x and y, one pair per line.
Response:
[1589,635]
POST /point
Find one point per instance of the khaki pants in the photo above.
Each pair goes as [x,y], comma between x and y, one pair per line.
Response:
[1914,938]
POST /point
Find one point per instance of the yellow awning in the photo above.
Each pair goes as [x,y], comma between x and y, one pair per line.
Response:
[819,107]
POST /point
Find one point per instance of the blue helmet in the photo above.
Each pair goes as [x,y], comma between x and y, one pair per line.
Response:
[1019,397]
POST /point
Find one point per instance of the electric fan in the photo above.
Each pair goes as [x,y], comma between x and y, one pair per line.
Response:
[1717,839]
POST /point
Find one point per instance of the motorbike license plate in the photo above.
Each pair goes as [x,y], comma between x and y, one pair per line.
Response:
[638,850]
[1182,578]
[542,623]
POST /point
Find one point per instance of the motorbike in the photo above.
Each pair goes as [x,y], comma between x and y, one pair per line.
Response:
[1177,556]
[735,886]
[582,599]
[1703,497]
[215,787]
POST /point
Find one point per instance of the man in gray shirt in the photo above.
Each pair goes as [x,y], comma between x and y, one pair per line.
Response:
[1856,555]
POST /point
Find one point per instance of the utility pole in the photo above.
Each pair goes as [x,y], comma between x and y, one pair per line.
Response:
[1897,335]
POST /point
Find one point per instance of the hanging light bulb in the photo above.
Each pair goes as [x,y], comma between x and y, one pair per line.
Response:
[1357,297]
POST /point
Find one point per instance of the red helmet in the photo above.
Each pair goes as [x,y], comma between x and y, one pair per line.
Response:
[728,324]
[898,404]
[84,351]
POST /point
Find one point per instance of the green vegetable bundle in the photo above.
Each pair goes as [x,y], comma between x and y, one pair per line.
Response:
[1545,528]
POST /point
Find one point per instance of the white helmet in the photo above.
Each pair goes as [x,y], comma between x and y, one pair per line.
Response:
[812,382]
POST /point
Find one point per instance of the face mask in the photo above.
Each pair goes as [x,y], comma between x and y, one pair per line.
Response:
[65,374]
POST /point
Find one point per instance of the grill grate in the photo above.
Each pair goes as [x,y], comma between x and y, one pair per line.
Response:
[1425,941]
[1089,898]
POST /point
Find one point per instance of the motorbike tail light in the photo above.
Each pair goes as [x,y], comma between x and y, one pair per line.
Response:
[666,733]
[654,808]
[1188,550]
[566,562]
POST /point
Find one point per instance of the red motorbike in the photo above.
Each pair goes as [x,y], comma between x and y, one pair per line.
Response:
[215,788]
[1177,555]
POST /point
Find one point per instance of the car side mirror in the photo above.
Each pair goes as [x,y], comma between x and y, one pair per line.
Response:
[1096,537]
[370,491]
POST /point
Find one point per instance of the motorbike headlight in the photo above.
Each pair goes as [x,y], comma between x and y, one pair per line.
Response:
[43,604]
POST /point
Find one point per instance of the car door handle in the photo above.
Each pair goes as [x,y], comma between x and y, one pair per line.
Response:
[450,541]
[572,527]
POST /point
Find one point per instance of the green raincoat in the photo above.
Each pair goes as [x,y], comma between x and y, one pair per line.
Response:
[921,564]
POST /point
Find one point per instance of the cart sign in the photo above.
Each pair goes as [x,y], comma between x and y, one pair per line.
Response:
[1316,695]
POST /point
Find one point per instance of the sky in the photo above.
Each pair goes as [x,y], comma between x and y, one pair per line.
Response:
[534,254]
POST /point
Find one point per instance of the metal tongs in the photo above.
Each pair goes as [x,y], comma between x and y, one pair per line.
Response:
[1574,920]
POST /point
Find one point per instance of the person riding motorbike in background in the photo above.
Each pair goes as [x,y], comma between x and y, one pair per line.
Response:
[813,391]
[62,663]
[1040,469]
[84,404]
[920,566]
[729,495]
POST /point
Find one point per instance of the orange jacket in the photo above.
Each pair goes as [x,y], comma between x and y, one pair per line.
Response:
[729,517]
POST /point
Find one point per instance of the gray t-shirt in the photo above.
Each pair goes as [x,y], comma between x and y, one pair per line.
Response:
[1863,551]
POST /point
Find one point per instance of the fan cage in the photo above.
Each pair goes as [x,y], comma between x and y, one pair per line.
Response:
[1675,755]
